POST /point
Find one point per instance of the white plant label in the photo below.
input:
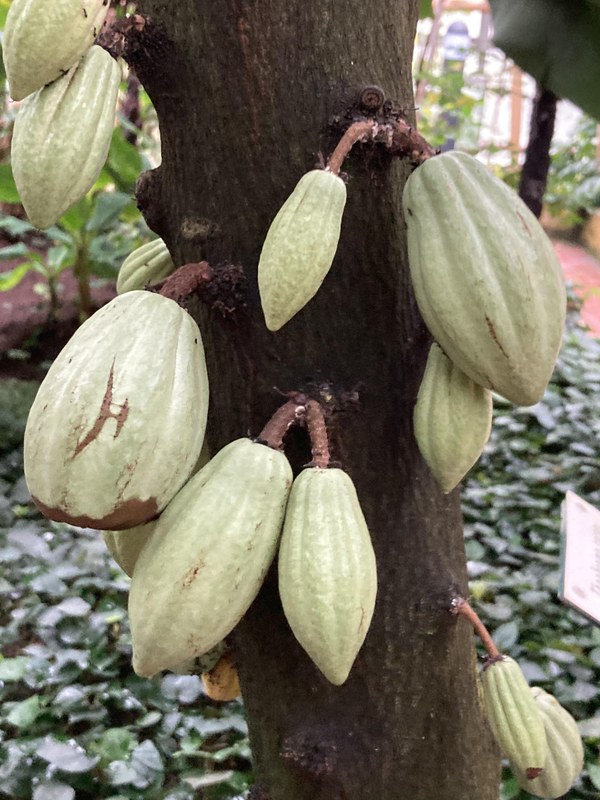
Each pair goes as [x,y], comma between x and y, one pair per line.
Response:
[580,556]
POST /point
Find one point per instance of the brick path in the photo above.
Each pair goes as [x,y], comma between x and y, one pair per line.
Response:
[583,271]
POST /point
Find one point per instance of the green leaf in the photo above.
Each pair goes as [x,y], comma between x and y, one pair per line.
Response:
[107,209]
[12,669]
[425,9]
[556,41]
[594,773]
[65,756]
[12,278]
[52,790]
[8,188]
[124,162]
[24,713]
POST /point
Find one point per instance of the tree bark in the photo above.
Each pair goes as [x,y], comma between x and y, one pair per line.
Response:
[248,94]
[534,175]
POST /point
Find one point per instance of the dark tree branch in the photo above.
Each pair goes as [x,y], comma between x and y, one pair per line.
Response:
[534,175]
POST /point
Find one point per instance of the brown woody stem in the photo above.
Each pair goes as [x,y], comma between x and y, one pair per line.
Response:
[317,430]
[279,424]
[462,607]
[400,139]
[186,280]
[358,131]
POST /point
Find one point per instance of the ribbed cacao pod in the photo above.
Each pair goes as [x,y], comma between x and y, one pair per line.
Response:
[452,419]
[300,246]
[564,758]
[118,423]
[201,664]
[147,265]
[514,716]
[125,546]
[207,557]
[62,136]
[222,682]
[485,276]
[327,571]
[43,40]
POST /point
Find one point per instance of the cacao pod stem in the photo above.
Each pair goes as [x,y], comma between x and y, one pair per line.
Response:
[288,414]
[462,607]
[317,430]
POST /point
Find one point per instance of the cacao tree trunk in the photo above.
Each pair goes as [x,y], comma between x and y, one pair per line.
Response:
[248,94]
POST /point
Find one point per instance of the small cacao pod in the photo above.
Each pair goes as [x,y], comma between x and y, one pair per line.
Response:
[514,716]
[485,276]
[207,557]
[62,135]
[146,266]
[44,40]
[452,419]
[201,664]
[300,246]
[564,758]
[125,546]
[222,682]
[327,570]
[117,425]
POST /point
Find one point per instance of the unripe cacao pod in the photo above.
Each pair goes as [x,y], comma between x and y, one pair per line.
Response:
[452,419]
[485,276]
[327,571]
[118,423]
[43,40]
[207,557]
[300,246]
[62,135]
[147,265]
[564,758]
[201,664]
[514,716]
[222,682]
[125,546]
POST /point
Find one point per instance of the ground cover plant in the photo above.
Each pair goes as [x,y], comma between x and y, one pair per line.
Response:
[76,722]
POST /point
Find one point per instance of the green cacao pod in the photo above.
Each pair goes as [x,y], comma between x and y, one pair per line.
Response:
[125,546]
[207,557]
[327,571]
[43,40]
[485,276]
[564,759]
[146,266]
[452,419]
[514,716]
[117,425]
[300,246]
[62,135]
[201,664]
